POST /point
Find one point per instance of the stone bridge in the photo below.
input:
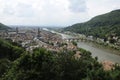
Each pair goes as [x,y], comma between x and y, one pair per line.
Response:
[72,39]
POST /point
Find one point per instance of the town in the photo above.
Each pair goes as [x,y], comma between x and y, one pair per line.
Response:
[112,41]
[32,38]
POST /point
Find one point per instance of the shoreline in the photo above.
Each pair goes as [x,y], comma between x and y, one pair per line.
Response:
[103,47]
[100,52]
[106,48]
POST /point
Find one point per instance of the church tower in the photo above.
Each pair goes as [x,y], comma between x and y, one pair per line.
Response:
[16,30]
[38,35]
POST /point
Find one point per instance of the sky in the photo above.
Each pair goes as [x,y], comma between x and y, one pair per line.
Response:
[53,12]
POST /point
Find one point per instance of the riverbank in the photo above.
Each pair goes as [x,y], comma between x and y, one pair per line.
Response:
[102,53]
[103,47]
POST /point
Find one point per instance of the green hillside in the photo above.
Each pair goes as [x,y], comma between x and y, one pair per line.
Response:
[3,27]
[99,26]
[9,52]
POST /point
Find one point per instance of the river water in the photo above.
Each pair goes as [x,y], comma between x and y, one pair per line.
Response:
[102,54]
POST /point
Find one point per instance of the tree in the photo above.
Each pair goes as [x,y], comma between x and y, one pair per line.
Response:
[43,64]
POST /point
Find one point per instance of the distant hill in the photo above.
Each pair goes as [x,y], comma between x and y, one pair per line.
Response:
[99,26]
[3,27]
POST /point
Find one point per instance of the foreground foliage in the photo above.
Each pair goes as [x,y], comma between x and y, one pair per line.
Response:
[48,65]
[43,65]
[8,53]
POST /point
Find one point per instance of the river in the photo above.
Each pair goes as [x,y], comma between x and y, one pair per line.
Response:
[102,54]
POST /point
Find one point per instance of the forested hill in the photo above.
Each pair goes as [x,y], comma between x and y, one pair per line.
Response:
[99,26]
[3,27]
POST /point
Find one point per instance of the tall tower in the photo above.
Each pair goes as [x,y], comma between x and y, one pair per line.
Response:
[16,30]
[38,35]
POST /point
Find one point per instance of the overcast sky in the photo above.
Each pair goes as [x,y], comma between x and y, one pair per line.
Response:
[53,12]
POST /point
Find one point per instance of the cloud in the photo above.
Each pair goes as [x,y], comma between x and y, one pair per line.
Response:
[8,11]
[18,9]
[78,6]
[24,10]
[53,12]
[96,7]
